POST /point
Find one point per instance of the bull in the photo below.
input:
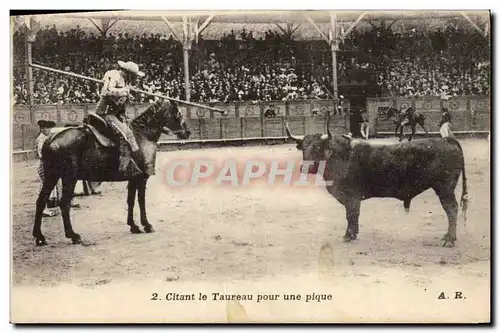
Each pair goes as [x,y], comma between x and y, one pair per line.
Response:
[357,171]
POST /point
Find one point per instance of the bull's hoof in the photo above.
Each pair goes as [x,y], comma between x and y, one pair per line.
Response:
[448,240]
[349,237]
[148,228]
[40,241]
[407,210]
[76,239]
[135,229]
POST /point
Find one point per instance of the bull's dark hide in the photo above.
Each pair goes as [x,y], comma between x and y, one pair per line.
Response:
[360,170]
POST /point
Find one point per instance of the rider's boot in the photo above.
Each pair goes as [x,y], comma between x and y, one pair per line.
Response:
[127,158]
[138,160]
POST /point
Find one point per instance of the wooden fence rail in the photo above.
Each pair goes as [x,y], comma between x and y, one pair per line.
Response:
[244,120]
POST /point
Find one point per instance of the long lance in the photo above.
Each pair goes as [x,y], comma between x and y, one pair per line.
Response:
[49,69]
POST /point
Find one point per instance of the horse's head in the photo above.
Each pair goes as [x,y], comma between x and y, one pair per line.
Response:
[175,122]
[166,116]
[389,112]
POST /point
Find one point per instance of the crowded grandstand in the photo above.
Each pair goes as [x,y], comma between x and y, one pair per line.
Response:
[377,60]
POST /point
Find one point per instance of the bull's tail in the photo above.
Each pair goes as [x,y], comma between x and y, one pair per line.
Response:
[464,201]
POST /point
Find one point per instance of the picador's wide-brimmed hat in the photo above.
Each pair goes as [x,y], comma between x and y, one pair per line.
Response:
[46,123]
[131,67]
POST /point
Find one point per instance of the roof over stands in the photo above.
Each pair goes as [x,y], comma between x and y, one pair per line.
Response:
[270,16]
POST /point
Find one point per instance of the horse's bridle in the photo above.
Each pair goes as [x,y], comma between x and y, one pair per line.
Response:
[168,131]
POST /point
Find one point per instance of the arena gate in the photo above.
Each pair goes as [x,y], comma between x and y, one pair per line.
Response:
[468,114]
[244,120]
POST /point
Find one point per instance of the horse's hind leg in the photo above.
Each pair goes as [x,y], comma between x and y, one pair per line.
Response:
[132,188]
[142,205]
[68,190]
[423,127]
[43,196]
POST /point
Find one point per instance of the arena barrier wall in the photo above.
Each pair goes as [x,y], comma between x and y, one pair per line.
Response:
[245,121]
[468,114]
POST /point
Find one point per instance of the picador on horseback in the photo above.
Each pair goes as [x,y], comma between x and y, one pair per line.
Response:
[87,152]
[406,115]
[111,107]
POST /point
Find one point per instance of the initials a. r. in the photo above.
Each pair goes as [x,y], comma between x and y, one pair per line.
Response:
[442,296]
[458,295]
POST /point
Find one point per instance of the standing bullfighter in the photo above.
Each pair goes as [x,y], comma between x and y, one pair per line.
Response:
[45,127]
[445,124]
[365,129]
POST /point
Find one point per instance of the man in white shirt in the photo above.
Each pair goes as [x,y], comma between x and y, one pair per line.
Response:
[111,107]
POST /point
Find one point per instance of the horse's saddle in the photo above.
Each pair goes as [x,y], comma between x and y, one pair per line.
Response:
[100,129]
[97,126]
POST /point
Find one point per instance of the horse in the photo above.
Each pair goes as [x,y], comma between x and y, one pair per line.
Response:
[89,153]
[413,119]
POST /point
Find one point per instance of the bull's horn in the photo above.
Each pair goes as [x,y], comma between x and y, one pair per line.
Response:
[297,138]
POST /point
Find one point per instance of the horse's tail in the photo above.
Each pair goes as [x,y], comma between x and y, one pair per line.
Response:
[61,145]
[52,159]
[48,150]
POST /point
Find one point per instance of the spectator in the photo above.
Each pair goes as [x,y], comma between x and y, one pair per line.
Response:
[240,67]
[270,112]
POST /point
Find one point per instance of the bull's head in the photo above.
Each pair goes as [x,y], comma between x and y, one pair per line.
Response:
[321,147]
[313,146]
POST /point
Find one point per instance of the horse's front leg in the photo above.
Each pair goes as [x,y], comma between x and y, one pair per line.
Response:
[142,205]
[132,188]
[401,133]
[413,128]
